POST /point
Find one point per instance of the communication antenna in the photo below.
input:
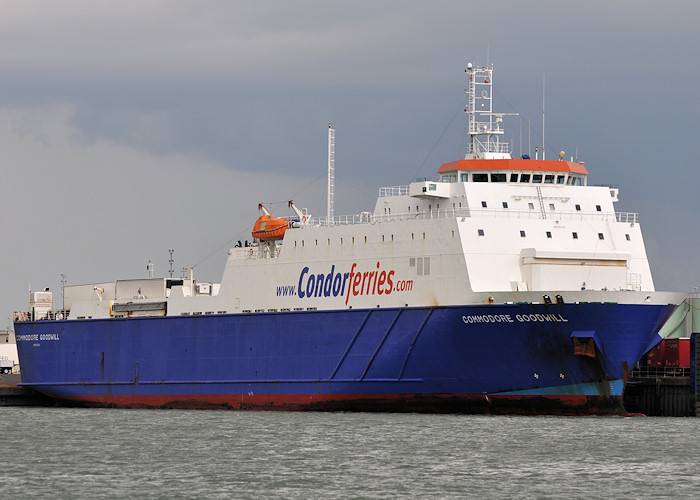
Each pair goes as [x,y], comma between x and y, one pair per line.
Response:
[331,172]
[170,261]
[544,149]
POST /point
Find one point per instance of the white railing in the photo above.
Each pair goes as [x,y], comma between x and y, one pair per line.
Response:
[385,192]
[369,218]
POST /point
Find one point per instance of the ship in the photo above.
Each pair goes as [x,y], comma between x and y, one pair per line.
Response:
[503,285]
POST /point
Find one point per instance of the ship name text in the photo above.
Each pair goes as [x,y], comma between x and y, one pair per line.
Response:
[33,337]
[508,318]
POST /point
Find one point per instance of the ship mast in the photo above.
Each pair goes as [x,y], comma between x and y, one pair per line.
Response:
[483,122]
[331,172]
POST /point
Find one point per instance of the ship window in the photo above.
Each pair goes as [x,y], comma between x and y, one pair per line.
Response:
[522,234]
[329,242]
[531,206]
[432,187]
[384,210]
[419,266]
[453,233]
[513,177]
[445,178]
[430,207]
[549,179]
[389,210]
[392,237]
[341,241]
[353,240]
[537,178]
[551,207]
[524,177]
[480,177]
[426,266]
[627,237]
[409,208]
[549,234]
[481,232]
[365,239]
[560,179]
[316,241]
[412,262]
[423,235]
[600,236]
[505,204]
[411,235]
[302,243]
[483,204]
[460,204]
[597,207]
[295,243]
[498,177]
[464,177]
[416,208]
[578,207]
[438,207]
[574,235]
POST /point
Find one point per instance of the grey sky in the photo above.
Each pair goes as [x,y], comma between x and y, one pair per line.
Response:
[128,128]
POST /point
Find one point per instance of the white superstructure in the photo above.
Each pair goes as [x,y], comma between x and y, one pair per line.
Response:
[489,229]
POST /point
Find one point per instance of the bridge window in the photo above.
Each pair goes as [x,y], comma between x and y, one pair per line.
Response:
[549,179]
[600,236]
[513,177]
[480,177]
[498,177]
[522,234]
[483,204]
[464,177]
[574,235]
[537,178]
[598,209]
[549,234]
[524,177]
[578,207]
[505,204]
[560,179]
[481,232]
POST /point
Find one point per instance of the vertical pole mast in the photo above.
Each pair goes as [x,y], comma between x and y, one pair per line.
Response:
[331,172]
[544,149]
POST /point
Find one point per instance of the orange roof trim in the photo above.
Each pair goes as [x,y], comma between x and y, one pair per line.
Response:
[514,164]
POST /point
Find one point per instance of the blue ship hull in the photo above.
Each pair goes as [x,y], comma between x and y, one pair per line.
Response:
[515,358]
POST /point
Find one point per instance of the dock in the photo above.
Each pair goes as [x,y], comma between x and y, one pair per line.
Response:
[666,387]
[12,394]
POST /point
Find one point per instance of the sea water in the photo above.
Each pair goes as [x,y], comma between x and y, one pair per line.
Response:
[110,453]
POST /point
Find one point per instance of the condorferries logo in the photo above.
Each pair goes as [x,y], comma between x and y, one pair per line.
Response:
[355,282]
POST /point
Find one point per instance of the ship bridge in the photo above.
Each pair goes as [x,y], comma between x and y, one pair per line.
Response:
[521,170]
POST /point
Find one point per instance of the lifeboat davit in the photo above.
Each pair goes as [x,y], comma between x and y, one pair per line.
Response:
[268,227]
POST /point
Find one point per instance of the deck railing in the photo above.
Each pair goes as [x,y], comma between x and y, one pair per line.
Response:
[370,218]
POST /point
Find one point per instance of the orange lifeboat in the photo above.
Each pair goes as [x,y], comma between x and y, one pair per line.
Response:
[268,228]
